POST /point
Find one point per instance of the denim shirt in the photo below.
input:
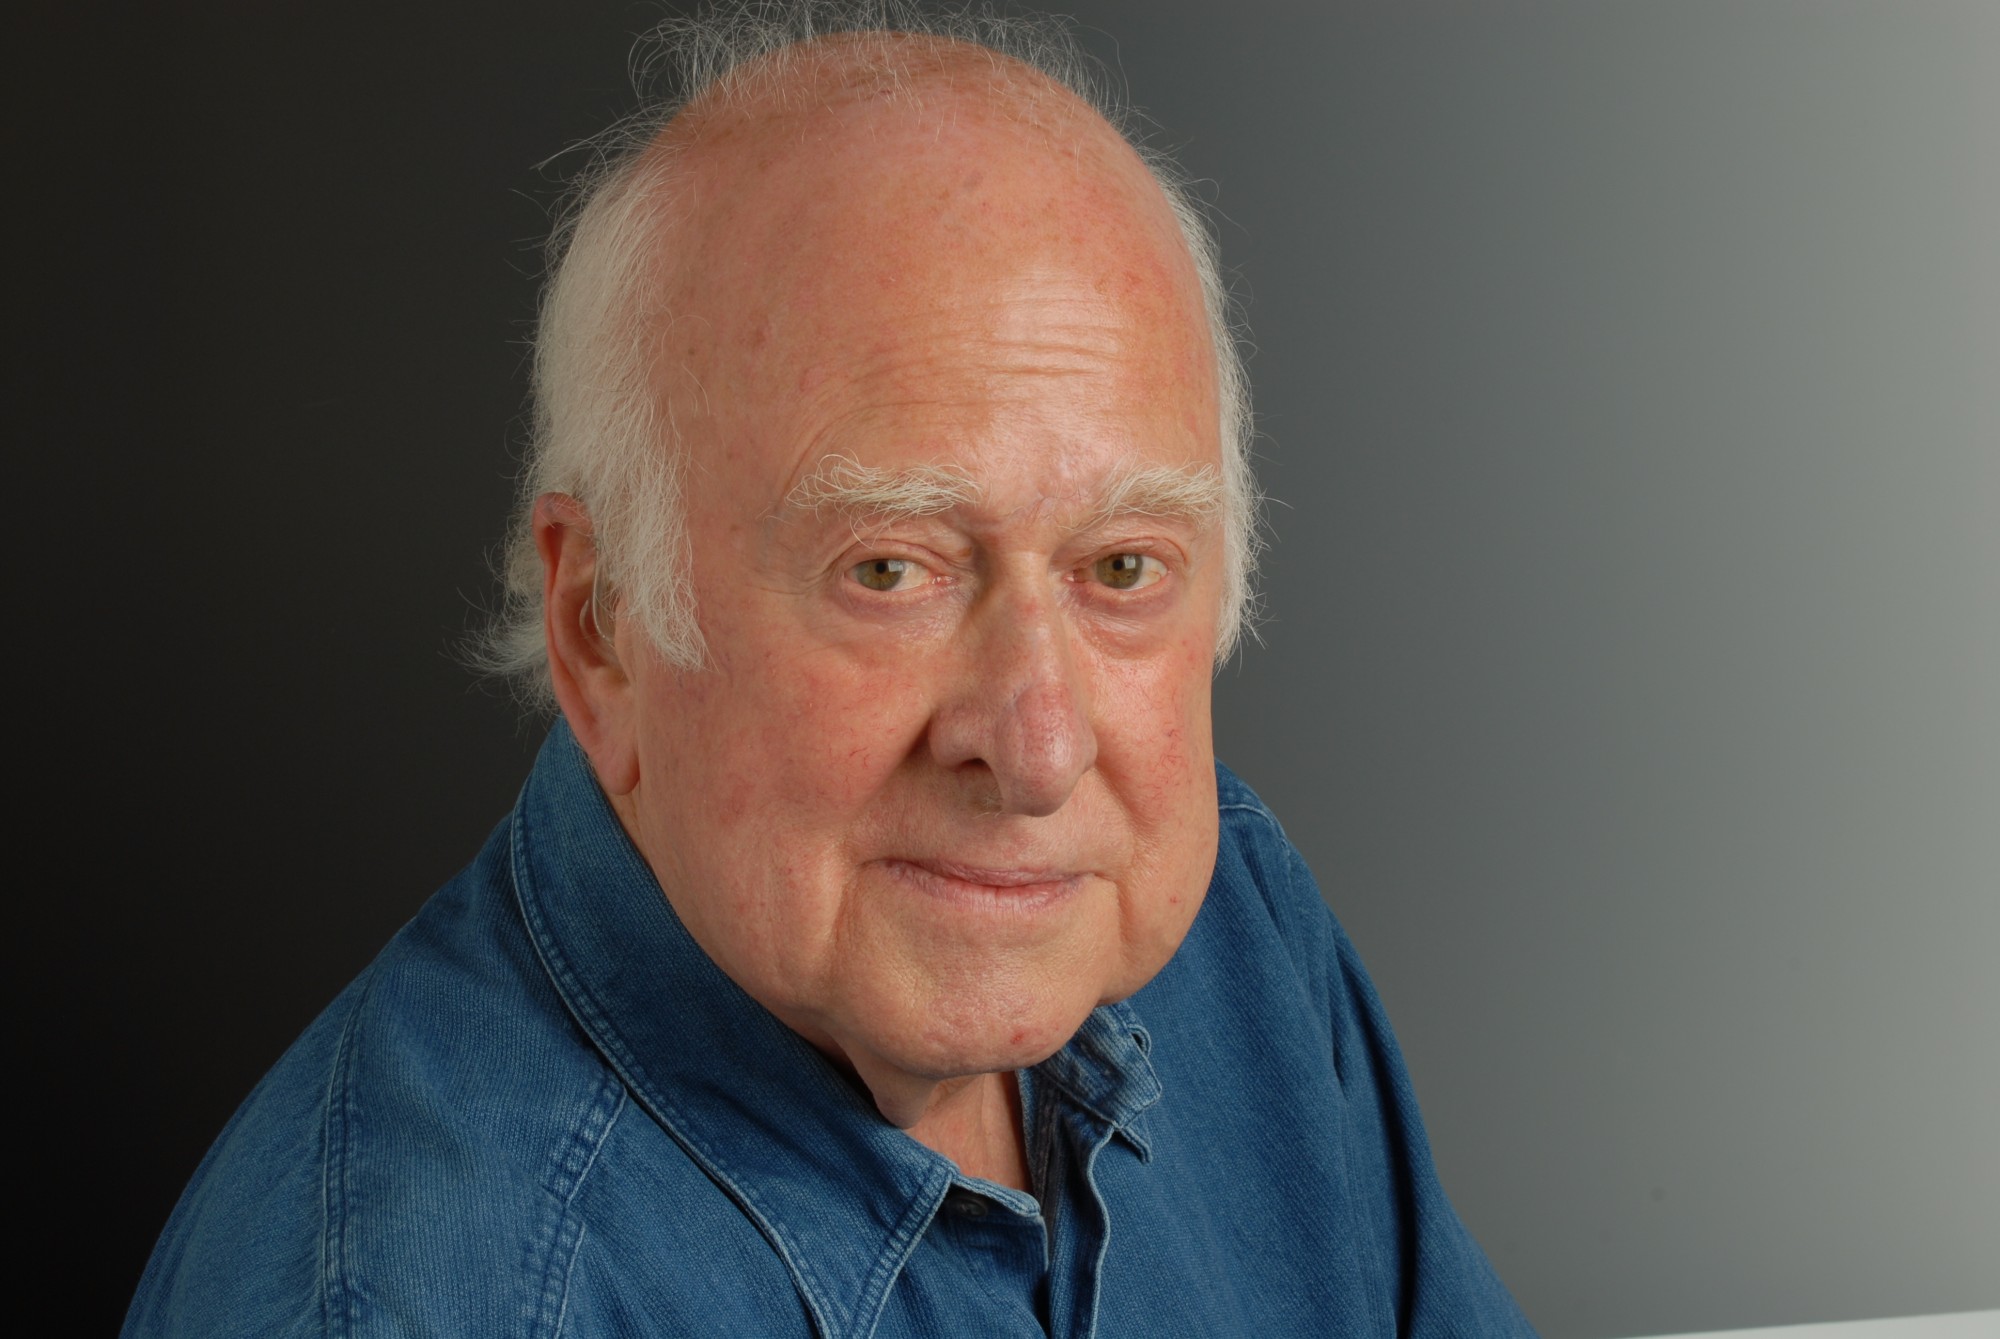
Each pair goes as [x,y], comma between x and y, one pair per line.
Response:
[543,1111]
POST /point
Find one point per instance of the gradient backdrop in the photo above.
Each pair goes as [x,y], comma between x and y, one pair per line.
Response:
[1629,382]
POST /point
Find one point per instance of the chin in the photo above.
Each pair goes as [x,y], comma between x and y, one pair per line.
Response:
[986,1037]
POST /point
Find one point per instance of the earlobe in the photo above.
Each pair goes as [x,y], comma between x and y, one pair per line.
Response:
[590,682]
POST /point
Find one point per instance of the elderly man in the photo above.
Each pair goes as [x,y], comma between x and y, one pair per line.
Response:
[876,948]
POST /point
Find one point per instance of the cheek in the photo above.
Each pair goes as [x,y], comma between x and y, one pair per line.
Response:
[810,736]
[1162,771]
[1182,789]
[1155,716]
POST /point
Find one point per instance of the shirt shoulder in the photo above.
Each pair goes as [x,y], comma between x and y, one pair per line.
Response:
[1281,1068]
[1257,866]
[411,1163]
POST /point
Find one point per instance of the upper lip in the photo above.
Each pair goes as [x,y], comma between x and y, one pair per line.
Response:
[1014,876]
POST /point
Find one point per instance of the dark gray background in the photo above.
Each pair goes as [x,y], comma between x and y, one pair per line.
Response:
[1629,378]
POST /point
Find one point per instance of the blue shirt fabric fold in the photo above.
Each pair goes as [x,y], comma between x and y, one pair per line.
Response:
[542,1111]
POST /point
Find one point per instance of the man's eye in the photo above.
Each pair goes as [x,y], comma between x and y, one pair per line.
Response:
[886,574]
[1128,571]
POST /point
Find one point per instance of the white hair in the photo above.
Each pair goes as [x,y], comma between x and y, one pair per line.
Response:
[604,435]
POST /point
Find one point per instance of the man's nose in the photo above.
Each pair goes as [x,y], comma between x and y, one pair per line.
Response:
[1021,710]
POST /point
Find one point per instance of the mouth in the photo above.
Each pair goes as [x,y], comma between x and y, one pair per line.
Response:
[1014,888]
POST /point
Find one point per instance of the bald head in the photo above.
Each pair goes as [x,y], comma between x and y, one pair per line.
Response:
[873,190]
[829,209]
[864,150]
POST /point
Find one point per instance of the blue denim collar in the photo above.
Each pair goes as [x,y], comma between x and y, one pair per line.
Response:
[763,1112]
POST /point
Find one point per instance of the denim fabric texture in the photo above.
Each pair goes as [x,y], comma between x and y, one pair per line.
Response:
[543,1111]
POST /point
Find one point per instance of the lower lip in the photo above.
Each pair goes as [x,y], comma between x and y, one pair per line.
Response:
[1015,897]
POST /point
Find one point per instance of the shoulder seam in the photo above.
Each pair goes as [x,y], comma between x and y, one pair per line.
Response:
[561,1239]
[1258,810]
[337,1304]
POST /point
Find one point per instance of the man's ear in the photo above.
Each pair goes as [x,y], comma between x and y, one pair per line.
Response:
[591,685]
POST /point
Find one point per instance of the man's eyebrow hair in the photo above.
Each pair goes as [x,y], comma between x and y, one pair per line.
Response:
[846,486]
[1186,492]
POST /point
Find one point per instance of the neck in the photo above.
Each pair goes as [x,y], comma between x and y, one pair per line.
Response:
[975,1119]
[979,1128]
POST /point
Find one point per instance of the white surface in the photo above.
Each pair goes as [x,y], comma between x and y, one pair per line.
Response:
[1960,1325]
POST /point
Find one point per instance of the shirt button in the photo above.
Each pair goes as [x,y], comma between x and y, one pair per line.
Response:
[967,1205]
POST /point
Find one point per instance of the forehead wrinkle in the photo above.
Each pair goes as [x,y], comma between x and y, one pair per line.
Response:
[1040,346]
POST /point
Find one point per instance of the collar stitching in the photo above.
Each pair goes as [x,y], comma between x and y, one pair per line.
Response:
[596,1023]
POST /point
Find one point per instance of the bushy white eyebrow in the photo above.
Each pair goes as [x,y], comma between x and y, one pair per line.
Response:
[844,485]
[1185,492]
[849,488]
